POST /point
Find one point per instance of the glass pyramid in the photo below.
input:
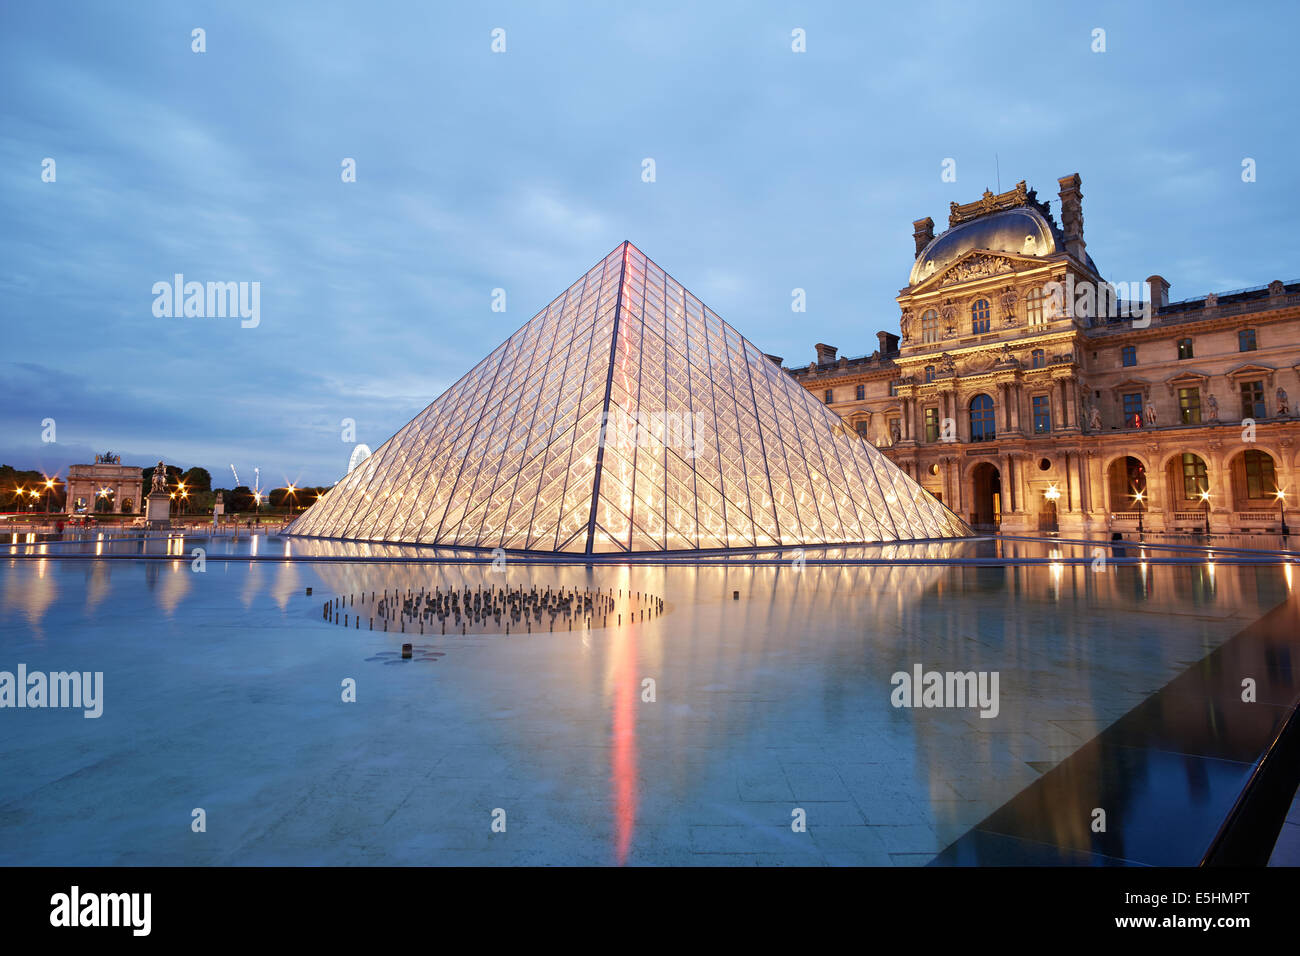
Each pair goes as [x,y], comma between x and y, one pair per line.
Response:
[626,416]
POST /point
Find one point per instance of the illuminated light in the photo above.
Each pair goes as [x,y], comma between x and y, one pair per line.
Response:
[743,440]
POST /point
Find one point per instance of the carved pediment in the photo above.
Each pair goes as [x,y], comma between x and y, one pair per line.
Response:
[977,265]
[1187,379]
[1251,370]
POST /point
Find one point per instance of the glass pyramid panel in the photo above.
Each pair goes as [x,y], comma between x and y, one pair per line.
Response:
[626,416]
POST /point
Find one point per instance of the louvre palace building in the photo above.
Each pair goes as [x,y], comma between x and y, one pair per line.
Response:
[1028,394]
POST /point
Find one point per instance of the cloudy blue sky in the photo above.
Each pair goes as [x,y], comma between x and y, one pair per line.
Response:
[519,170]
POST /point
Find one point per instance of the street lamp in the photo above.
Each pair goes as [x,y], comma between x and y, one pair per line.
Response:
[1137,498]
[1205,496]
[49,487]
[1281,509]
[289,494]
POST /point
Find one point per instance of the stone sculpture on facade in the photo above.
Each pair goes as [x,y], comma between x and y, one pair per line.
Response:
[1283,403]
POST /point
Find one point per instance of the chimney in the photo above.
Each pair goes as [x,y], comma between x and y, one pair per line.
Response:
[888,344]
[1158,292]
[922,232]
[825,353]
[1072,216]
[774,359]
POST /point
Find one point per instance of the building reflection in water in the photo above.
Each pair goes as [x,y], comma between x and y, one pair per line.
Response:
[796,672]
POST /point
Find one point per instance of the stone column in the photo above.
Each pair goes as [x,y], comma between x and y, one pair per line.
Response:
[1220,480]
[1097,482]
[1085,485]
[1011,501]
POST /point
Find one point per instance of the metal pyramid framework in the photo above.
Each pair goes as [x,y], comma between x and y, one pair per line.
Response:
[627,417]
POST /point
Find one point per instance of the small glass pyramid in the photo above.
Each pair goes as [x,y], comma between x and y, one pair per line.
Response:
[626,416]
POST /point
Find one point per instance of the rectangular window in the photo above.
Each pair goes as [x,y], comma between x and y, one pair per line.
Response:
[1189,406]
[1252,400]
[929,373]
[1038,358]
[930,326]
[1184,349]
[1246,340]
[862,430]
[1129,355]
[1042,414]
[830,395]
[1133,410]
[979,316]
[860,392]
[1194,477]
[1261,481]
[932,424]
[1034,308]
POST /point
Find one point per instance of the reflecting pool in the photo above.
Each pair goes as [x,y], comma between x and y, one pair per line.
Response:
[760,699]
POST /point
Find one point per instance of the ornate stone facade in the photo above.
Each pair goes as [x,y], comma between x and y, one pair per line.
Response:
[113,486]
[1029,395]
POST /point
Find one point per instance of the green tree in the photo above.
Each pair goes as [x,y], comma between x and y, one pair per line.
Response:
[198,479]
[239,499]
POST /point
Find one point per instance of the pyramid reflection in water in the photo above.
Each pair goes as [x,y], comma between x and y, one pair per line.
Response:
[626,416]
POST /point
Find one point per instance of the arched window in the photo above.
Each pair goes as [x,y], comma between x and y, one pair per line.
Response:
[981,419]
[979,316]
[1034,308]
[930,326]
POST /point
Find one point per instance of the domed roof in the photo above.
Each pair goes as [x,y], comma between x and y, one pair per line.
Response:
[1022,230]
